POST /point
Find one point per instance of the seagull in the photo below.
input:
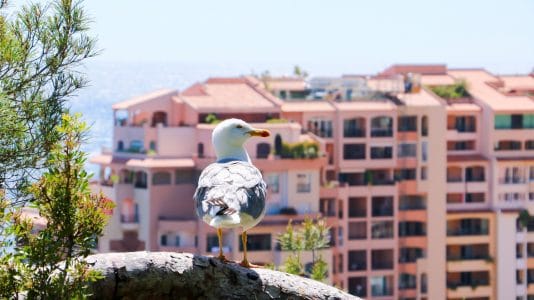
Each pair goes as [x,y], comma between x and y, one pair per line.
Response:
[231,191]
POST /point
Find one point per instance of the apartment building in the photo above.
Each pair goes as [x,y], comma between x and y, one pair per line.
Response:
[421,186]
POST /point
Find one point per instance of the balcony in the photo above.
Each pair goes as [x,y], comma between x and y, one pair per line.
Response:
[354,132]
[467,227]
[512,180]
[129,222]
[381,132]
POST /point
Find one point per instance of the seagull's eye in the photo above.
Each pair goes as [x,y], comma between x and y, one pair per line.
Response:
[239,126]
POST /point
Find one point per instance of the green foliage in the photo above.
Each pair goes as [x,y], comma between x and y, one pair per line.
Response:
[313,235]
[300,150]
[212,119]
[297,71]
[41,46]
[524,218]
[319,270]
[292,265]
[47,263]
[454,91]
[277,121]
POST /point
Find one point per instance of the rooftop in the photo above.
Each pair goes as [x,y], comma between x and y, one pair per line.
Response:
[479,86]
[229,94]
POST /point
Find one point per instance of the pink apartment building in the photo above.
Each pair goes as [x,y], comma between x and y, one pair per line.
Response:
[422,192]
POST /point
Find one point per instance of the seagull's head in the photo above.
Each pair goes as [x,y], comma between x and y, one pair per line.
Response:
[229,136]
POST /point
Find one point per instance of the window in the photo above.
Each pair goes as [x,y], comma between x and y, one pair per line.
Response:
[200,150]
[354,151]
[424,126]
[423,173]
[163,239]
[357,260]
[454,198]
[319,127]
[358,286]
[152,145]
[177,241]
[327,207]
[382,286]
[474,174]
[136,146]
[407,123]
[412,228]
[257,242]
[410,255]
[354,127]
[303,183]
[503,121]
[531,173]
[382,259]
[460,145]
[120,146]
[141,180]
[161,178]
[406,150]
[382,230]
[381,152]
[462,123]
[352,179]
[382,206]
[528,121]
[508,145]
[469,226]
[357,230]
[454,174]
[407,281]
[212,243]
[263,150]
[412,202]
[273,183]
[529,145]
[382,126]
[475,197]
[424,150]
[357,207]
[405,174]
[183,176]
[159,117]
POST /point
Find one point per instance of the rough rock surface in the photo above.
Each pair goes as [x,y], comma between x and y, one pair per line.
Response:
[169,275]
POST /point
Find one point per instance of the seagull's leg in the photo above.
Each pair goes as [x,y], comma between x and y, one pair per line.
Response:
[220,236]
[245,262]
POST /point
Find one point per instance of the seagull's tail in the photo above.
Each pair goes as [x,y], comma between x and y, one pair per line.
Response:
[225,221]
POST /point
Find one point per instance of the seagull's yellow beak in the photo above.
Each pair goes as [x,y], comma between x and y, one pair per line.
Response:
[259,132]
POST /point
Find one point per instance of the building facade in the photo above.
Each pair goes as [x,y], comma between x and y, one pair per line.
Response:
[420,171]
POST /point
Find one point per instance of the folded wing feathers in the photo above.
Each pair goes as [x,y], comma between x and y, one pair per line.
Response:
[224,188]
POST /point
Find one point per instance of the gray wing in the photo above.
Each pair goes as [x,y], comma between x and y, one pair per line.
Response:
[230,187]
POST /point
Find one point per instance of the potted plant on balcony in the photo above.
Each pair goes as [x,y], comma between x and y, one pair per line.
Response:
[278,146]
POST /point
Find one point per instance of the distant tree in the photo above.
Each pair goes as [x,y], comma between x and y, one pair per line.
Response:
[313,235]
[297,71]
[41,47]
[49,264]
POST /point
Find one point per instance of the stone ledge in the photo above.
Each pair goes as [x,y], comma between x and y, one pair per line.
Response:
[169,275]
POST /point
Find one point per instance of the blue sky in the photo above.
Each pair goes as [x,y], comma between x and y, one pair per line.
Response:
[332,36]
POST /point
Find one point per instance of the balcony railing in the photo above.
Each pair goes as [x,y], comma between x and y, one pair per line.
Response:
[354,132]
[471,283]
[467,231]
[380,132]
[512,180]
[455,257]
[130,218]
